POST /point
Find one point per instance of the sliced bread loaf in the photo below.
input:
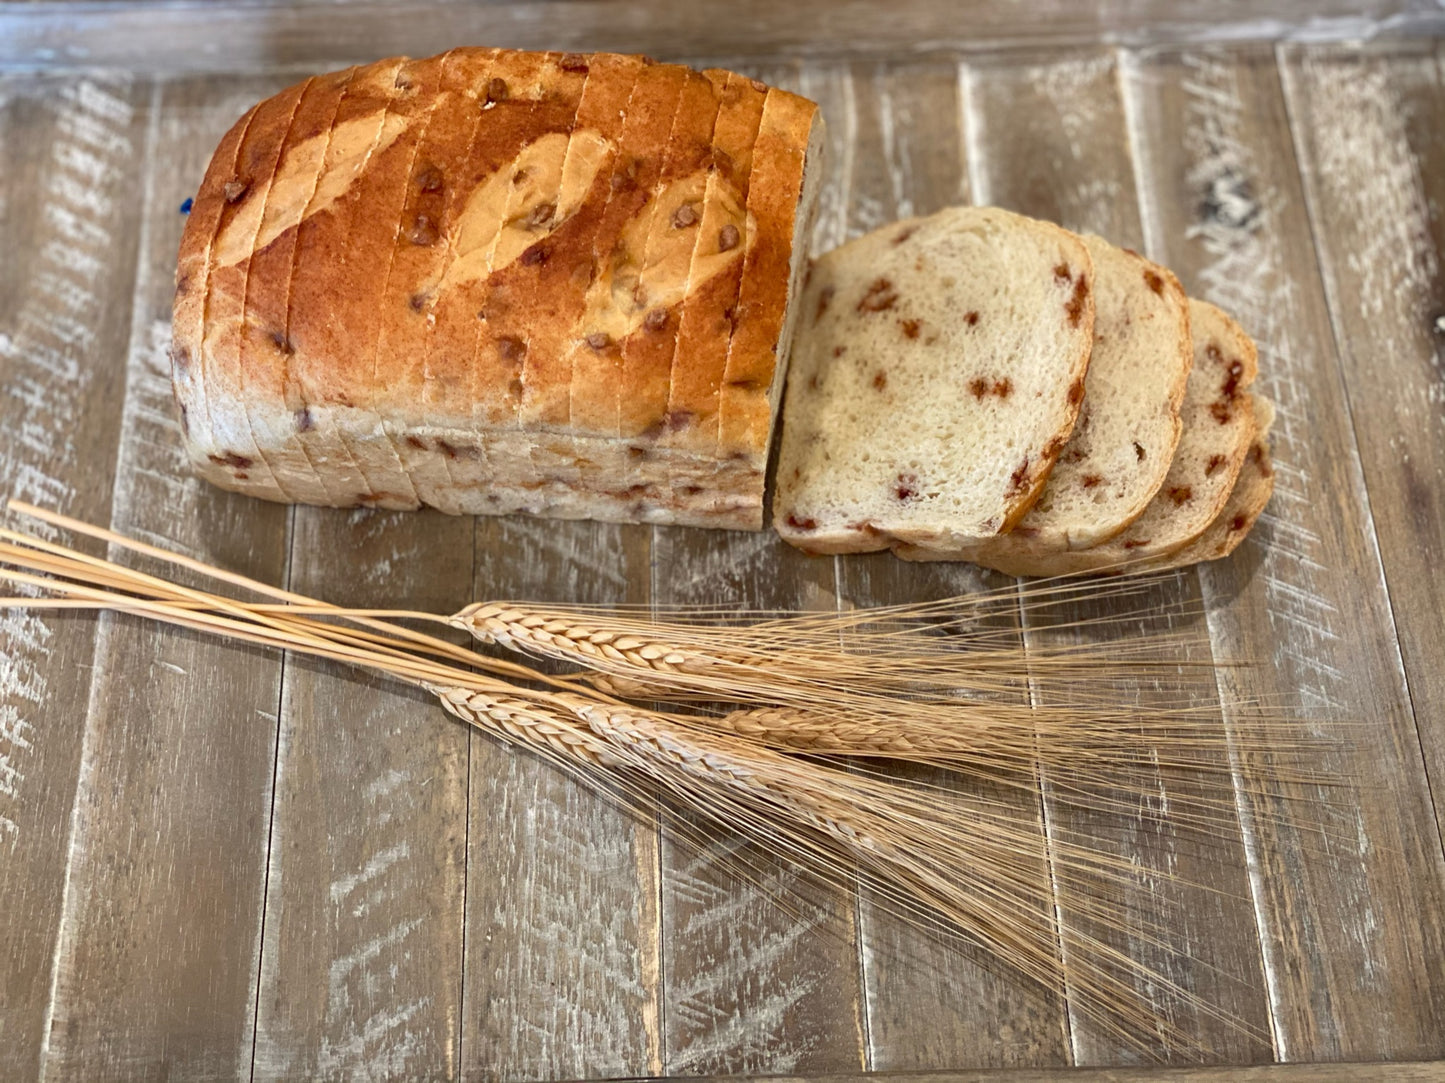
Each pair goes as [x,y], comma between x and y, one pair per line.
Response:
[937,372]
[1128,425]
[461,282]
[1218,429]
[1245,505]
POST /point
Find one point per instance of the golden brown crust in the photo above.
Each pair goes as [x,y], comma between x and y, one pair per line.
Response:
[244,196]
[674,231]
[706,320]
[477,243]
[596,373]
[774,191]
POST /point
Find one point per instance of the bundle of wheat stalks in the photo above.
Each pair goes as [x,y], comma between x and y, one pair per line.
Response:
[774,726]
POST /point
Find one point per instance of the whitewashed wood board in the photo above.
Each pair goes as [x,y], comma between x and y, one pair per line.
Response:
[216,862]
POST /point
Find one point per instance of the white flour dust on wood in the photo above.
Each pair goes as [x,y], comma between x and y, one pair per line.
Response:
[45,341]
[1245,272]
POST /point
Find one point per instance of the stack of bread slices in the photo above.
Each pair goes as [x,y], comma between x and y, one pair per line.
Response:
[981,386]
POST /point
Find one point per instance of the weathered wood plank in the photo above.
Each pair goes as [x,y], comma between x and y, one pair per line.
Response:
[71,151]
[562,951]
[183,36]
[1394,1072]
[1352,933]
[929,1004]
[1369,124]
[362,954]
[155,968]
[1050,140]
[760,968]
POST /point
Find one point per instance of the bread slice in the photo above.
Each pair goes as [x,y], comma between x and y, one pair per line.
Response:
[1246,502]
[411,283]
[937,374]
[1218,429]
[1128,425]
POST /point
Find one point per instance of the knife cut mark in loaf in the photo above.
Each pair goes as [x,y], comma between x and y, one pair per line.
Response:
[536,96]
[1218,427]
[587,169]
[1128,424]
[422,252]
[259,356]
[351,240]
[193,289]
[661,265]
[782,195]
[413,210]
[705,322]
[939,370]
[444,157]
[328,237]
[263,351]
[597,371]
[232,405]
[476,245]
[333,160]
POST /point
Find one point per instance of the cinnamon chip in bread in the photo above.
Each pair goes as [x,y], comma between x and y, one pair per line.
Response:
[1218,430]
[1128,426]
[1246,503]
[938,370]
[471,281]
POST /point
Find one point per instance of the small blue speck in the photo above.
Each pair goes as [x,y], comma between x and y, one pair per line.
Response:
[186,206]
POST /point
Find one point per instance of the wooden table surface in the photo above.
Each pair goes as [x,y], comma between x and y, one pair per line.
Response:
[220,862]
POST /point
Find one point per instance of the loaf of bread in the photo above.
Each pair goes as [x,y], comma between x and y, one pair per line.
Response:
[938,371]
[495,281]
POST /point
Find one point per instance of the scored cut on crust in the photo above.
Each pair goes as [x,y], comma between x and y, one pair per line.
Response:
[938,372]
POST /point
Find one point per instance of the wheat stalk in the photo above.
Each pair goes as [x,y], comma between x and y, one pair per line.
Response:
[807,683]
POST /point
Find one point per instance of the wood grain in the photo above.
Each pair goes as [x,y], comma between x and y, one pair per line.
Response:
[1351,930]
[562,963]
[760,968]
[150,934]
[1368,127]
[71,152]
[155,967]
[1050,140]
[283,32]
[362,954]
[930,1004]
[1394,1072]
